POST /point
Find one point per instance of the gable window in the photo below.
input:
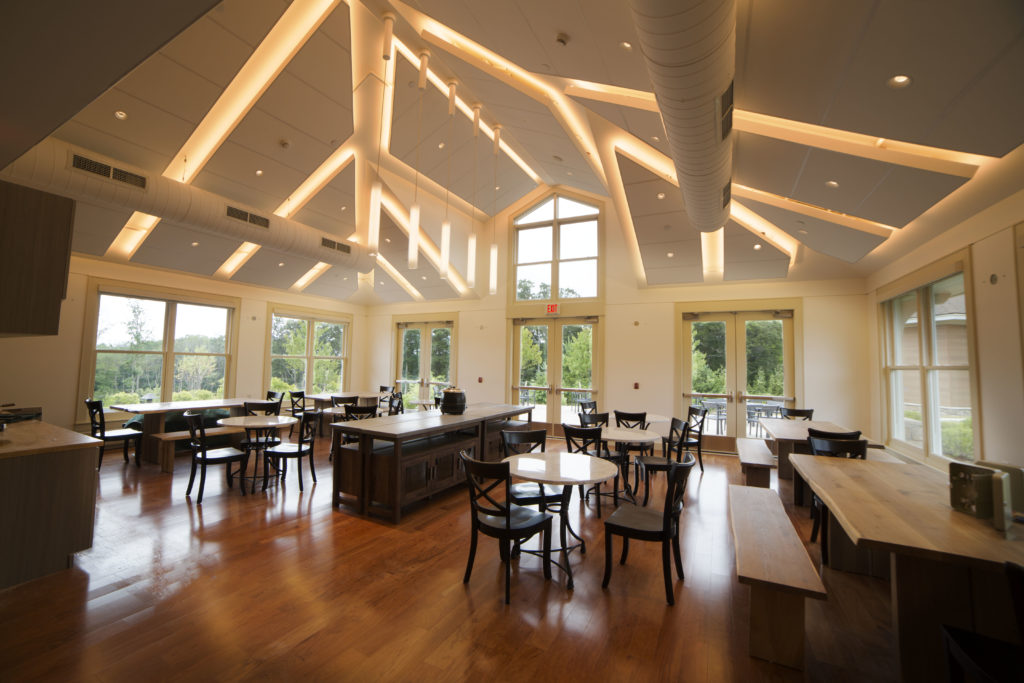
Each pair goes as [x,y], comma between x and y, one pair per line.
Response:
[928,369]
[556,250]
[307,353]
[151,349]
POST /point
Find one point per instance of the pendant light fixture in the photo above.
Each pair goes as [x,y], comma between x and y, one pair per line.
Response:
[493,273]
[414,210]
[376,188]
[471,245]
[446,226]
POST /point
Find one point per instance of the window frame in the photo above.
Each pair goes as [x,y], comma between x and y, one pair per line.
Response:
[927,365]
[96,287]
[554,263]
[311,316]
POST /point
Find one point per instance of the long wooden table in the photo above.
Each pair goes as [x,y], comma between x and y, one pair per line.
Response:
[946,566]
[431,469]
[154,416]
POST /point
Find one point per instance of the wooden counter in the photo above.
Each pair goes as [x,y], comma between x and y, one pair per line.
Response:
[47,499]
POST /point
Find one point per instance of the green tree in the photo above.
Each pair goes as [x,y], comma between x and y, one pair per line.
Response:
[764,357]
[533,364]
[440,354]
[191,373]
[577,356]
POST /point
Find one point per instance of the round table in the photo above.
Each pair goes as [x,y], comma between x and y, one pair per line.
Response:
[257,427]
[624,437]
[566,470]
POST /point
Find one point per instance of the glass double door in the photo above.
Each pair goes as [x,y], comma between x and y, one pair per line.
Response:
[739,367]
[554,367]
[424,360]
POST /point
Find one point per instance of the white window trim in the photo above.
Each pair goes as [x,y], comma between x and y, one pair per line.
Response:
[312,316]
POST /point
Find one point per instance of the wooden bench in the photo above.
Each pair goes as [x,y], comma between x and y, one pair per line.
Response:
[166,441]
[756,461]
[772,560]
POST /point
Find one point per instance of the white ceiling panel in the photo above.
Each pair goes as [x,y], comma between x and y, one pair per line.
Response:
[333,209]
[822,236]
[272,268]
[743,262]
[249,21]
[645,126]
[96,227]
[335,283]
[169,245]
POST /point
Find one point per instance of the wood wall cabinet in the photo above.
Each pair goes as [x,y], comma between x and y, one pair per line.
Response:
[35,252]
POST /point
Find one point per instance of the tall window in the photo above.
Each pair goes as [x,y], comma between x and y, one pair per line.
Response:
[159,350]
[928,369]
[557,250]
[307,354]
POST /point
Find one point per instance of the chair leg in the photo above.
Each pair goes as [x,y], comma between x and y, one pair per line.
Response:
[547,549]
[823,517]
[647,487]
[508,574]
[607,558]
[666,569]
[298,469]
[472,555]
[311,470]
[700,456]
[138,447]
[191,478]
[816,512]
[679,557]
[99,463]
[625,549]
[124,448]
[202,482]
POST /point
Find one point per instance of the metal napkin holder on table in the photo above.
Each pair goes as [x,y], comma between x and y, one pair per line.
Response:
[983,492]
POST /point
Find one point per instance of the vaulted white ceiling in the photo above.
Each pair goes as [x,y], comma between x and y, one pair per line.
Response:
[829,161]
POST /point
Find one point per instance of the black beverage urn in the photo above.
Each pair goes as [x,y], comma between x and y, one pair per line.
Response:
[453,402]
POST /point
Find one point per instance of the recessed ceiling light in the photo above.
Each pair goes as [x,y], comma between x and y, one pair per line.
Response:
[898,81]
[344,208]
[656,138]
[626,45]
[388,240]
[497,187]
[802,231]
[120,115]
[440,145]
[757,247]
[259,171]
[568,172]
[195,244]
[281,264]
[423,277]
[832,184]
[671,254]
[660,195]
[344,279]
[382,283]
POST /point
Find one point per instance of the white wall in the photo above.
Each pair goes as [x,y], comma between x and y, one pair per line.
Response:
[836,360]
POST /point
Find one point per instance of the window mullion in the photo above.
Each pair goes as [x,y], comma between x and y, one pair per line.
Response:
[170,318]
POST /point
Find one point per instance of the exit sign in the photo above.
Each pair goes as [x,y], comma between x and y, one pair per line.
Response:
[552,309]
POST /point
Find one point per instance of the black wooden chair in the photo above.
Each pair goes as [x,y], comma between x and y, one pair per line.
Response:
[396,404]
[629,420]
[258,440]
[588,407]
[277,457]
[98,430]
[798,413]
[357,412]
[382,401]
[275,396]
[588,441]
[646,465]
[494,515]
[696,417]
[299,405]
[202,456]
[338,401]
[648,524]
[835,448]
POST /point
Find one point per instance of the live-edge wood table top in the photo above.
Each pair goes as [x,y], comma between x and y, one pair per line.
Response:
[904,508]
[414,424]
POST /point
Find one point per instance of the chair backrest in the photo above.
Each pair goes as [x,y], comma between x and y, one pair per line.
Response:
[337,401]
[678,474]
[822,434]
[586,440]
[695,417]
[298,399]
[262,407]
[97,423]
[197,432]
[355,412]
[593,419]
[630,420]
[519,441]
[308,424]
[386,388]
[678,434]
[275,396]
[839,448]
[798,413]
[396,405]
[488,484]
[589,407]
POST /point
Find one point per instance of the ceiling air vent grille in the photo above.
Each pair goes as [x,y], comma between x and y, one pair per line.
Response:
[246,217]
[90,166]
[725,110]
[727,194]
[337,246]
[123,176]
[107,171]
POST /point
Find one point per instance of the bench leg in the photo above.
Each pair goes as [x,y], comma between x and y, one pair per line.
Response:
[758,476]
[777,626]
[165,454]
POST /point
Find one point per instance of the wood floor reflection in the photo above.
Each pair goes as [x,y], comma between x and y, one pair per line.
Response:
[280,586]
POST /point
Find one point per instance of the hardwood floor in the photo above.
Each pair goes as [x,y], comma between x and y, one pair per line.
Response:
[280,586]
